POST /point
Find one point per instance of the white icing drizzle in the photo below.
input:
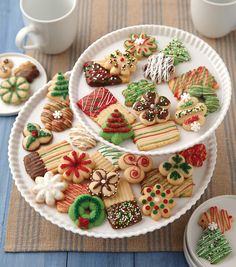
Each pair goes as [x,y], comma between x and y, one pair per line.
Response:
[160,68]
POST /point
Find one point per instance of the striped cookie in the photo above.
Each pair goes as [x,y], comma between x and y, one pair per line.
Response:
[154,136]
[102,162]
[111,154]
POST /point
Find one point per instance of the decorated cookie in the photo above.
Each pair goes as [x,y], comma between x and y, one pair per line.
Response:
[160,68]
[120,64]
[87,211]
[207,95]
[27,70]
[81,138]
[14,90]
[70,194]
[96,75]
[154,136]
[100,103]
[213,246]
[46,159]
[140,45]
[199,76]
[58,90]
[176,169]
[154,177]
[152,108]
[35,136]
[214,214]
[190,113]
[135,90]
[103,184]
[76,166]
[6,68]
[49,188]
[57,116]
[135,167]
[176,49]
[116,129]
[157,202]
[195,155]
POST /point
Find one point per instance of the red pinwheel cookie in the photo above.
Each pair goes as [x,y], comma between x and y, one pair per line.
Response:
[195,155]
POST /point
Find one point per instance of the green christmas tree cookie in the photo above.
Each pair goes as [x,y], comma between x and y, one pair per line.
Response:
[116,128]
[213,246]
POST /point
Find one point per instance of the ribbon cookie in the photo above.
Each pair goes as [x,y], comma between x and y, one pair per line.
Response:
[135,167]
[35,136]
[5,68]
[176,169]
[152,108]
[140,45]
[195,155]
[157,202]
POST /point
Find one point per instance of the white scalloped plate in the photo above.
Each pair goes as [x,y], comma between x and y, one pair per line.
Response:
[31,112]
[202,55]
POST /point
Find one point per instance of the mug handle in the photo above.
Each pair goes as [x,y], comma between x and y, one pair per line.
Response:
[22,34]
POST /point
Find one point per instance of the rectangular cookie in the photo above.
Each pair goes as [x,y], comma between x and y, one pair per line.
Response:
[154,177]
[154,136]
[199,76]
[100,103]
[102,162]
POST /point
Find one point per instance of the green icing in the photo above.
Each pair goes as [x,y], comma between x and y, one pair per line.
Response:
[177,159]
[189,103]
[185,167]
[167,166]
[31,127]
[111,153]
[61,87]
[175,175]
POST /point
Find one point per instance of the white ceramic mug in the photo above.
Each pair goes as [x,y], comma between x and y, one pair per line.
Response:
[50,24]
[214,18]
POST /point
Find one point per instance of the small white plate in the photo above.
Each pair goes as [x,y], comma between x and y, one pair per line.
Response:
[188,258]
[17,58]
[194,231]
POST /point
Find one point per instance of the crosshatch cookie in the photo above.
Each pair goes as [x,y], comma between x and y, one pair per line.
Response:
[14,90]
[96,75]
[76,166]
[195,155]
[58,90]
[87,211]
[154,177]
[120,64]
[116,128]
[46,159]
[159,68]
[140,45]
[122,209]
[34,136]
[135,167]
[57,116]
[28,71]
[199,76]
[176,169]
[49,188]
[190,113]
[157,202]
[135,90]
[70,194]
[154,136]
[100,103]
[220,216]
[152,108]
[6,68]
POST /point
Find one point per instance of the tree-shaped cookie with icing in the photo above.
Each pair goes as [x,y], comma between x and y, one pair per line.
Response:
[157,202]
[176,169]
[140,45]
[190,113]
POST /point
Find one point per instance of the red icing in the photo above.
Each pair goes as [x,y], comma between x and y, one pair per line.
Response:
[165,211]
[117,125]
[115,119]
[149,189]
[195,155]
[192,119]
[158,192]
[124,130]
[143,161]
[165,201]
[149,198]
[168,191]
[134,173]
[83,223]
[156,207]
[147,207]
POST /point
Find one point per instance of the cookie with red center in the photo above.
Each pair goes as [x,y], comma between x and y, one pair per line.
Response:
[135,167]
[195,155]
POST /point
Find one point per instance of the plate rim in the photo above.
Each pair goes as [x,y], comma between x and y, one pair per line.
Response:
[158,151]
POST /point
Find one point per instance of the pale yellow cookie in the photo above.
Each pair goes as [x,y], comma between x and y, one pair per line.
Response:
[102,162]
[5,72]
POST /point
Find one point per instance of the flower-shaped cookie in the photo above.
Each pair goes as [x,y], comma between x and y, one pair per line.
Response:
[135,167]
[120,64]
[49,188]
[157,202]
[103,184]
[152,108]
[140,45]
[176,169]
[76,166]
[35,136]
[57,116]
[195,155]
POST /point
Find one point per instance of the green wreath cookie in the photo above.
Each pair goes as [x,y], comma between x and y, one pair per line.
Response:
[14,90]
[87,211]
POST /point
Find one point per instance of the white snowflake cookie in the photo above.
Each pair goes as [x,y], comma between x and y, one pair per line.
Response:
[49,189]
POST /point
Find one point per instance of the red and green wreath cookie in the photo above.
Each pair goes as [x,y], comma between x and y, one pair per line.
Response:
[195,155]
[140,45]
